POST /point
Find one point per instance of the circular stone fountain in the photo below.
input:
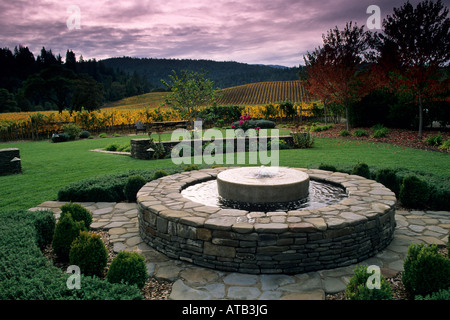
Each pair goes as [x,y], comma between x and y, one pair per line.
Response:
[345,232]
[256,185]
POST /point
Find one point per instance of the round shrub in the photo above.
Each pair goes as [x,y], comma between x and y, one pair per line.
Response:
[414,192]
[425,270]
[132,187]
[361,169]
[88,252]
[112,146]
[66,231]
[389,179]
[357,287]
[191,167]
[159,174]
[128,267]
[78,213]
[85,134]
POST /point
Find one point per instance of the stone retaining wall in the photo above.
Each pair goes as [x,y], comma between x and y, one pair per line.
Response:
[10,162]
[274,242]
[139,147]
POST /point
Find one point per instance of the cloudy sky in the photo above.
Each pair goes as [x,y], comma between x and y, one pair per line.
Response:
[251,31]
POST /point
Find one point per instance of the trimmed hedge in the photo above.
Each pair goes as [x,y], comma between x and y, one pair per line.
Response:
[263,124]
[26,274]
[107,188]
[435,196]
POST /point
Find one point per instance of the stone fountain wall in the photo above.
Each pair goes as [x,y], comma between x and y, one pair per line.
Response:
[274,242]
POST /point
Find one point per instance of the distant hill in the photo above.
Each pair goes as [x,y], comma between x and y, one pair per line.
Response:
[263,93]
[224,74]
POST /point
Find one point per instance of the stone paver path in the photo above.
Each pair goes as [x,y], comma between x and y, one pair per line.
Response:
[196,283]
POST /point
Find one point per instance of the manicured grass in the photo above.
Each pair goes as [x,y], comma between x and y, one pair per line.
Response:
[47,167]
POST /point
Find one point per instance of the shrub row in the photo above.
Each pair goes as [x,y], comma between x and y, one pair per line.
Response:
[108,188]
[73,242]
[26,274]
[413,189]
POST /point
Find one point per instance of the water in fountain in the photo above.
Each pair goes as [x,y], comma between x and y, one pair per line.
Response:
[261,189]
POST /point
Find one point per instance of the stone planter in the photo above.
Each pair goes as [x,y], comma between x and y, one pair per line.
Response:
[10,162]
[139,149]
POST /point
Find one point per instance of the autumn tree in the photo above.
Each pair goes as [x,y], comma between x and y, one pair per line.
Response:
[335,72]
[413,50]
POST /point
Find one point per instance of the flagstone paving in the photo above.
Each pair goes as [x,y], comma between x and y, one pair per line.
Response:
[196,283]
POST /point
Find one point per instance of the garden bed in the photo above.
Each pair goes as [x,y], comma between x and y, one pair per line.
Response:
[395,136]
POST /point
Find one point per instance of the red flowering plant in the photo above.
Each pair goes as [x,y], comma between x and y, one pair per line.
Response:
[245,124]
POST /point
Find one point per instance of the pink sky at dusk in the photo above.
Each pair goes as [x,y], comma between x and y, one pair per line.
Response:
[250,31]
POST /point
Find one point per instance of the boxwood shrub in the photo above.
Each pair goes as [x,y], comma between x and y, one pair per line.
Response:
[414,192]
[89,253]
[426,271]
[389,179]
[132,186]
[78,213]
[66,231]
[357,287]
[361,169]
[128,267]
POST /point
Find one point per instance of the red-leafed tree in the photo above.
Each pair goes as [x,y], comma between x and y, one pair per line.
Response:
[414,50]
[337,72]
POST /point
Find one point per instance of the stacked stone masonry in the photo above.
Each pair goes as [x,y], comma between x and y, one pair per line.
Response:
[139,148]
[10,162]
[289,242]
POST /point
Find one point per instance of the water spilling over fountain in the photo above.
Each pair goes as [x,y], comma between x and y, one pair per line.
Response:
[188,216]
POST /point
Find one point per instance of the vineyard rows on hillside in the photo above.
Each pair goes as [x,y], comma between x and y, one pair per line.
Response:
[264,93]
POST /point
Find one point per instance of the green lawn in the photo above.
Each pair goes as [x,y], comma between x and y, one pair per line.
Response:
[49,166]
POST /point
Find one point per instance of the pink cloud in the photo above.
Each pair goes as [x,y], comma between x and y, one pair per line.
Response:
[254,31]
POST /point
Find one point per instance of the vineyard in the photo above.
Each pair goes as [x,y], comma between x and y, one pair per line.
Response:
[258,100]
[264,93]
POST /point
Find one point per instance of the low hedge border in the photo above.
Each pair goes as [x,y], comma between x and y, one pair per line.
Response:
[26,274]
[106,188]
[110,188]
[437,189]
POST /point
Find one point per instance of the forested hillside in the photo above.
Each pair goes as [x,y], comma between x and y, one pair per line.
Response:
[224,74]
[47,82]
